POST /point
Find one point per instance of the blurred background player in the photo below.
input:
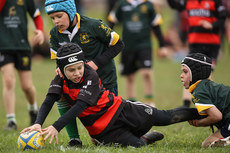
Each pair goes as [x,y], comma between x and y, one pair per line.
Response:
[205,18]
[138,18]
[99,42]
[15,52]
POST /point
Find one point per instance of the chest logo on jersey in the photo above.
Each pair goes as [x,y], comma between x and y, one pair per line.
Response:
[200,12]
[89,82]
[12,11]
[20,2]
[84,38]
[135,17]
[144,9]
[194,99]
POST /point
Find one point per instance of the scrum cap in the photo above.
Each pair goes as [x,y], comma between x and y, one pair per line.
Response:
[69,54]
[199,65]
[67,6]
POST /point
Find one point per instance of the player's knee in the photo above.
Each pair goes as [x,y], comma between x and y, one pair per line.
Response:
[146,74]
[9,83]
[27,88]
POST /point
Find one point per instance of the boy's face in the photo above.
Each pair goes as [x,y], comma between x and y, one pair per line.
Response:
[75,72]
[60,19]
[185,76]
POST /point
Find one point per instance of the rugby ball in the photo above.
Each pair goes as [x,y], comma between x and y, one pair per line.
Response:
[30,140]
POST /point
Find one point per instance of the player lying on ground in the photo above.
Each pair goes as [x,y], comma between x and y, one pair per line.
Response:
[210,98]
[109,119]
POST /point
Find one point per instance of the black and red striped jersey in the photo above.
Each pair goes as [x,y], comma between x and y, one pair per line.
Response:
[104,106]
[209,10]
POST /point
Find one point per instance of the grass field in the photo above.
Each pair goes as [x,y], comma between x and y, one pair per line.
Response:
[168,94]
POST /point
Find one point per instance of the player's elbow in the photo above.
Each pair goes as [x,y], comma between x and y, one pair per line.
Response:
[218,117]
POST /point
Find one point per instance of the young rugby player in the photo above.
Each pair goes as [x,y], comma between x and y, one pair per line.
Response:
[15,53]
[99,42]
[138,18]
[205,19]
[210,98]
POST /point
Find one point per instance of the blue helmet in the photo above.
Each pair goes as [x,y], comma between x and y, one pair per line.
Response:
[67,6]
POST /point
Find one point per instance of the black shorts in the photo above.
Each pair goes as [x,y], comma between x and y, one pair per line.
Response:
[133,122]
[137,118]
[21,59]
[133,60]
[211,51]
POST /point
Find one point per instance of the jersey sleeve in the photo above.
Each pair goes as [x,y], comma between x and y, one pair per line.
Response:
[32,9]
[104,33]
[221,14]
[90,89]
[2,3]
[154,17]
[53,42]
[202,101]
[56,86]
[115,14]
[177,4]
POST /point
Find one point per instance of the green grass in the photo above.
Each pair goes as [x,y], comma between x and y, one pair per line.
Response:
[181,138]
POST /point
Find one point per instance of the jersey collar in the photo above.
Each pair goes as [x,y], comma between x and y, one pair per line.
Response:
[193,86]
[136,2]
[75,30]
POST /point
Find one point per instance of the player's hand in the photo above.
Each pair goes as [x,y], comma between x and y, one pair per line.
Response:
[35,127]
[205,24]
[163,52]
[194,123]
[50,132]
[93,65]
[39,37]
[58,72]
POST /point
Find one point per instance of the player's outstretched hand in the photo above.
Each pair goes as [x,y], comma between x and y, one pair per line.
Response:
[35,127]
[50,132]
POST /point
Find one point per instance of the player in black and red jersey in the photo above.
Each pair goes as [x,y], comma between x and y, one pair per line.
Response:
[109,119]
[205,18]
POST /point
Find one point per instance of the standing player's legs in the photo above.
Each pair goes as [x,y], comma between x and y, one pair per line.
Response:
[8,85]
[30,93]
[147,76]
[23,65]
[130,86]
[144,59]
[128,69]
